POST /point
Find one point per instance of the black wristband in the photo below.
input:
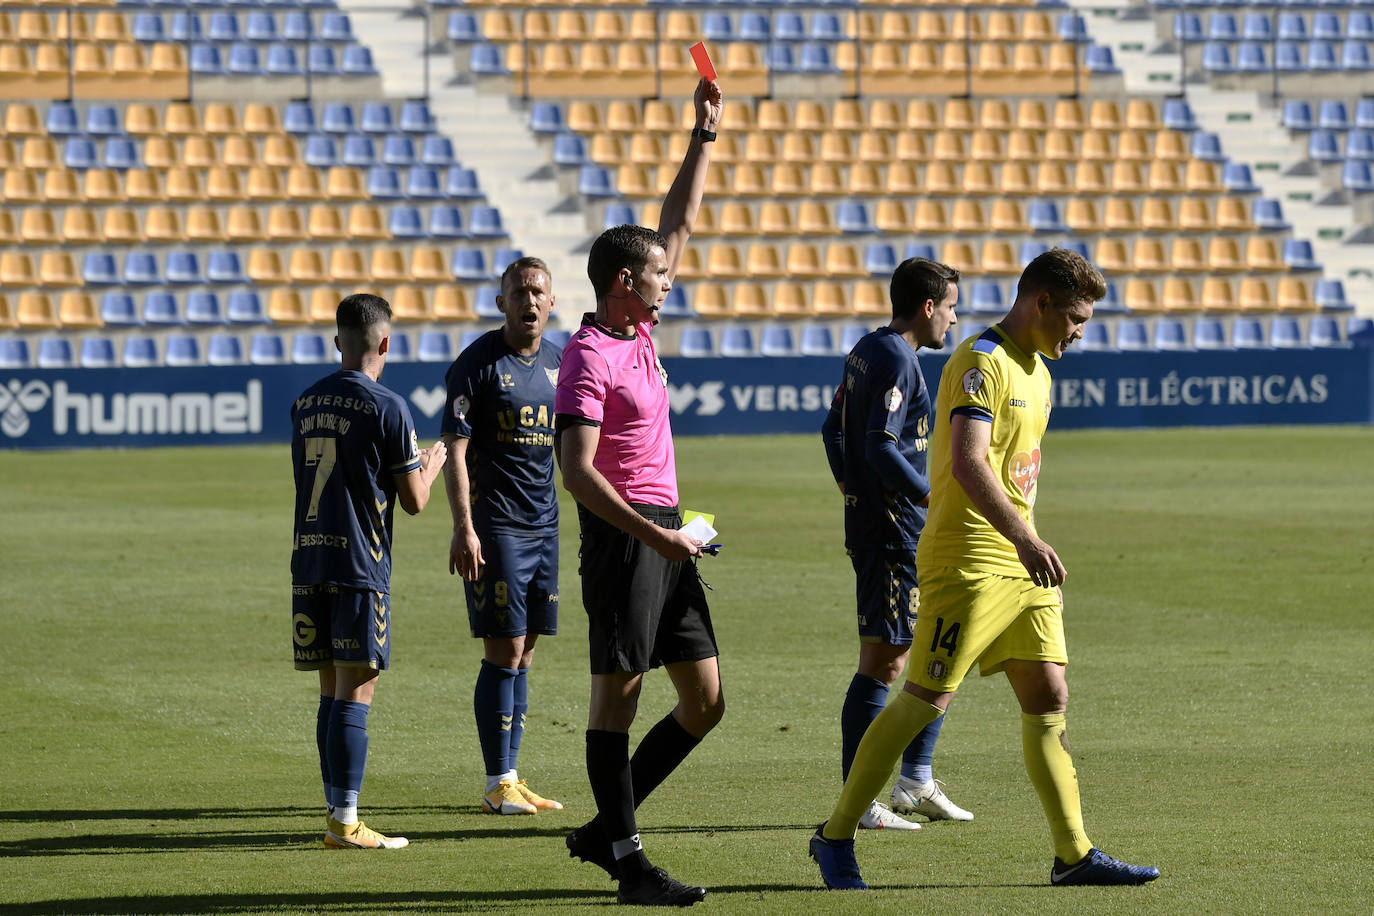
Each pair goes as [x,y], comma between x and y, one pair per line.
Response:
[706,135]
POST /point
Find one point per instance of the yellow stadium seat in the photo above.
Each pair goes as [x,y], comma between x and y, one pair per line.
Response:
[1142,114]
[742,59]
[1255,295]
[1061,146]
[1052,179]
[22,120]
[78,310]
[1016,178]
[1233,214]
[168,62]
[203,225]
[761,148]
[622,116]
[998,258]
[870,298]
[643,26]
[499,26]
[773,115]
[968,216]
[409,303]
[1120,215]
[243,224]
[790,301]
[284,224]
[631,59]
[324,304]
[1111,255]
[451,303]
[1194,215]
[183,185]
[949,147]
[953,59]
[763,262]
[429,265]
[993,61]
[39,153]
[706,222]
[103,186]
[659,117]
[865,180]
[844,260]
[325,223]
[1037,26]
[606,150]
[38,227]
[986,146]
[34,25]
[1157,215]
[874,146]
[79,227]
[1179,295]
[592,59]
[365,222]
[710,300]
[1294,294]
[388,265]
[1202,177]
[1185,255]
[826,179]
[180,119]
[129,61]
[8,319]
[572,26]
[1129,178]
[345,183]
[691,267]
[21,186]
[1068,115]
[1171,145]
[810,115]
[835,147]
[829,299]
[8,155]
[121,226]
[265,184]
[797,147]
[1031,115]
[750,300]
[776,219]
[804,261]
[979,178]
[1133,145]
[36,311]
[931,25]
[265,266]
[902,178]
[995,114]
[1080,214]
[1149,257]
[62,186]
[970,26]
[1002,26]
[681,25]
[220,118]
[162,225]
[1223,255]
[888,58]
[726,152]
[896,26]
[285,306]
[239,152]
[1007,216]
[1262,253]
[584,117]
[280,151]
[161,152]
[1105,114]
[848,114]
[787,181]
[261,118]
[58,268]
[15,63]
[1141,295]
[1099,146]
[1217,295]
[197,153]
[930,217]
[814,218]
[1064,59]
[1091,178]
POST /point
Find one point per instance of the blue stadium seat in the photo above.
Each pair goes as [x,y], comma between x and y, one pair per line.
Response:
[1209,334]
[468,337]
[140,352]
[320,151]
[1257,27]
[963,331]
[1288,57]
[1292,27]
[753,27]
[103,121]
[122,153]
[1221,27]
[1236,178]
[1359,25]
[1355,56]
[503,258]
[1248,334]
[406,223]
[1332,114]
[816,340]
[1285,333]
[357,61]
[437,151]
[186,27]
[14,353]
[557,336]
[485,222]
[1076,245]
[1207,145]
[118,310]
[737,340]
[816,58]
[55,353]
[1178,115]
[224,267]
[434,347]
[98,353]
[224,26]
[282,61]
[400,351]
[919,250]
[244,60]
[1132,334]
[618,214]
[1267,214]
[985,298]
[62,119]
[446,223]
[826,27]
[546,118]
[779,59]
[568,149]
[776,340]
[1321,57]
[675,305]
[462,183]
[184,267]
[1110,304]
[245,307]
[320,60]
[880,259]
[296,26]
[79,153]
[1187,27]
[1030,250]
[1359,330]
[384,183]
[358,151]
[1329,296]
[469,264]
[309,348]
[1043,216]
[423,184]
[416,118]
[224,350]
[1099,60]
[1324,331]
[1324,146]
[1096,338]
[1359,144]
[140,269]
[851,216]
[789,27]
[1170,334]
[147,27]
[203,308]
[161,308]
[1072,27]
[485,60]
[463,28]
[1356,176]
[1252,58]
[484,301]
[851,334]
[337,118]
[336,27]
[298,118]
[266,349]
[1327,27]
[260,26]
[1298,255]
[205,60]
[696,341]
[596,182]
[717,27]
[1216,58]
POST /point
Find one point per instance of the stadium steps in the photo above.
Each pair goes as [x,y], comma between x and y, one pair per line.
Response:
[491,135]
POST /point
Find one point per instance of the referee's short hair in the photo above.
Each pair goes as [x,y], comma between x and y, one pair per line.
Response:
[1065,275]
[917,279]
[617,248]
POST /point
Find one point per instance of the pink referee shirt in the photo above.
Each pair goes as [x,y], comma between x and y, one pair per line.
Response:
[616,381]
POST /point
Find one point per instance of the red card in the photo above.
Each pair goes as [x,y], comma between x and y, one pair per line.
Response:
[703,61]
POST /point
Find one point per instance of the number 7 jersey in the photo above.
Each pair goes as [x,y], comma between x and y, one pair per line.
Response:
[989,380]
[350,438]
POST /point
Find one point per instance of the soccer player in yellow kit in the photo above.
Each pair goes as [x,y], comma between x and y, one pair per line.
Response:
[989,585]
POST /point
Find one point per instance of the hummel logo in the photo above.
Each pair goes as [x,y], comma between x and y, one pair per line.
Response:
[16,401]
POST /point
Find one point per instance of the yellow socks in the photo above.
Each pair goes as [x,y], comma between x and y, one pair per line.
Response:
[1045,743]
[878,753]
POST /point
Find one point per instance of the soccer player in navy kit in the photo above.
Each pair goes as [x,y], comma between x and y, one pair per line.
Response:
[498,426]
[876,435]
[354,454]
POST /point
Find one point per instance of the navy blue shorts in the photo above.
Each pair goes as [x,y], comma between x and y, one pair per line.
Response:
[340,626]
[887,595]
[516,592]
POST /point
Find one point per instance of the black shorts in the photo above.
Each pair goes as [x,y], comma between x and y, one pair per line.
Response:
[642,611]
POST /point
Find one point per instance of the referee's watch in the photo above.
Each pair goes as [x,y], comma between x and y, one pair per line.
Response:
[706,135]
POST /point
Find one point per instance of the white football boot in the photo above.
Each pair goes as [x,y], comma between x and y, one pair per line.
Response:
[912,797]
[880,817]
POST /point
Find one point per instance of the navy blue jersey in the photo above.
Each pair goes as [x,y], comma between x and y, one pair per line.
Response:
[502,402]
[350,437]
[883,395]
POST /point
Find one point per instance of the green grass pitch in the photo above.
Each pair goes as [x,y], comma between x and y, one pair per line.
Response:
[157,749]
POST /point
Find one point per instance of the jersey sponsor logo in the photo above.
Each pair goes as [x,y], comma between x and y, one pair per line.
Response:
[140,412]
[893,399]
[461,406]
[303,629]
[973,380]
[1024,470]
[1016,402]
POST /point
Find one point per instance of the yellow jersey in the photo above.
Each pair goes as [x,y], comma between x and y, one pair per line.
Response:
[988,379]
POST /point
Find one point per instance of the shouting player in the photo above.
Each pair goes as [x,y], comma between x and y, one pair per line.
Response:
[355,456]
[499,476]
[990,587]
[876,435]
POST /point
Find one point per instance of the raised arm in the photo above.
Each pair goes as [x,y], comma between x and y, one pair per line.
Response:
[970,439]
[679,213]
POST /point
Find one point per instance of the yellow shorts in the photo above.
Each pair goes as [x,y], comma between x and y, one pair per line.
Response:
[983,618]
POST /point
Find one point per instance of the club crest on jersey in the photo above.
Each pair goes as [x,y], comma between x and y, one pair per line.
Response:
[461,406]
[551,375]
[893,399]
[973,381]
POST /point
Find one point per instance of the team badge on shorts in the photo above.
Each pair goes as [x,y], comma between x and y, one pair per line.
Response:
[893,400]
[937,669]
[973,380]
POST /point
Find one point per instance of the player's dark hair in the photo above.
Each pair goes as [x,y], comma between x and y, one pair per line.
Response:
[1065,274]
[617,248]
[525,263]
[357,316]
[917,279]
